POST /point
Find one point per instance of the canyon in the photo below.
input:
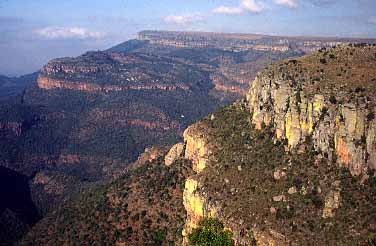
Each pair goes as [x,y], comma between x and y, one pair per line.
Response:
[290,164]
[81,121]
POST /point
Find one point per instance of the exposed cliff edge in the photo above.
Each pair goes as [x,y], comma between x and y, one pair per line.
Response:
[335,108]
[270,168]
[49,83]
[294,162]
[111,72]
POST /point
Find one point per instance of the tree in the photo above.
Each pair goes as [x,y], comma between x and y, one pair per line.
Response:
[210,232]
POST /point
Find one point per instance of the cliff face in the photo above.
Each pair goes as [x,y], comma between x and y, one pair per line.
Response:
[294,154]
[48,83]
[198,150]
[216,189]
[112,72]
[270,168]
[345,130]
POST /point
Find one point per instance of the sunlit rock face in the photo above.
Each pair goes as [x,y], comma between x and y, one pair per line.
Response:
[198,148]
[322,127]
[298,108]
[174,154]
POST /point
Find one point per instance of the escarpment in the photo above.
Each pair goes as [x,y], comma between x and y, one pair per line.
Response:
[47,83]
[335,110]
[88,117]
[113,72]
[290,165]
[294,163]
[239,42]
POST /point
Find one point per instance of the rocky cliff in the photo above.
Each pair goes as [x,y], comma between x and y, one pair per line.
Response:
[294,162]
[114,72]
[335,110]
[259,166]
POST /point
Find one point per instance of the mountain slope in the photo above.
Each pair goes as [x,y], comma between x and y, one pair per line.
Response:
[143,207]
[262,169]
[17,211]
[295,162]
[89,116]
[13,87]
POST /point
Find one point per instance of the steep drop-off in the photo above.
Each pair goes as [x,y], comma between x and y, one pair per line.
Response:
[259,166]
[293,164]
[87,117]
[328,97]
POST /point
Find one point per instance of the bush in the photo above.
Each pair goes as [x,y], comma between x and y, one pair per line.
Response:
[158,237]
[210,233]
[332,99]
[370,116]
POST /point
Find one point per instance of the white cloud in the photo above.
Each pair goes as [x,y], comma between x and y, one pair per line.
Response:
[228,10]
[183,19]
[252,5]
[288,3]
[67,33]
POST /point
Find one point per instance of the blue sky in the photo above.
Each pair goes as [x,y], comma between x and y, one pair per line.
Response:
[34,31]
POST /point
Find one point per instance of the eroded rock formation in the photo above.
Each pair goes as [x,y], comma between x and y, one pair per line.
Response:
[316,123]
[297,113]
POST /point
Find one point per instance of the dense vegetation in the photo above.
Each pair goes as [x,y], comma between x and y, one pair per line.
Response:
[210,233]
[241,177]
[143,207]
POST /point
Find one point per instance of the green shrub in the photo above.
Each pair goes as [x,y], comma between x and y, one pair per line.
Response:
[210,233]
[159,236]
[332,99]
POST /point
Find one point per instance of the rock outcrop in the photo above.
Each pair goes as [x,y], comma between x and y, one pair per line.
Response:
[174,153]
[264,184]
[332,200]
[47,83]
[197,150]
[297,112]
[198,147]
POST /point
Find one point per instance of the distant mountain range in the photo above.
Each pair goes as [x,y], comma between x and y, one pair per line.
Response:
[240,42]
